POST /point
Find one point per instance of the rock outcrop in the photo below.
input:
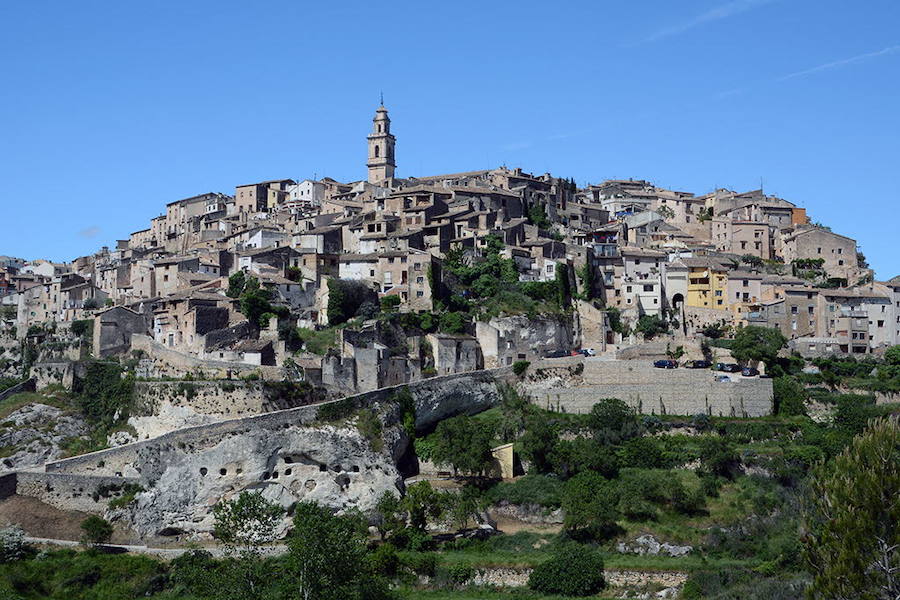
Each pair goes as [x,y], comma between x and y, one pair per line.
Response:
[35,434]
[332,465]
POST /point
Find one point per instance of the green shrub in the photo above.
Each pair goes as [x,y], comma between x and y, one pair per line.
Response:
[12,544]
[96,530]
[369,426]
[573,571]
[384,560]
[422,564]
[336,411]
[459,574]
[644,453]
[790,396]
[520,366]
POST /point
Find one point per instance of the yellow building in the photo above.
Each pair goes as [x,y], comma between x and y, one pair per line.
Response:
[707,284]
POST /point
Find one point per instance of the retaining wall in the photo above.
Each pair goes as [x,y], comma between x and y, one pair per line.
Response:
[228,399]
[655,391]
[25,386]
[65,491]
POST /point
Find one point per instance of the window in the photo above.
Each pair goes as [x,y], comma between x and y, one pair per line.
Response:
[745,283]
[794,310]
[818,251]
[419,294]
[417,266]
[628,289]
[841,263]
[377,151]
[550,268]
[648,288]
[880,323]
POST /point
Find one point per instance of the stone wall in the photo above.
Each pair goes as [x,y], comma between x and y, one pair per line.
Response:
[161,361]
[647,389]
[66,491]
[226,399]
[49,373]
[435,399]
[26,386]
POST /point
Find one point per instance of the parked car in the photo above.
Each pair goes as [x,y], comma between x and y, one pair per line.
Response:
[697,364]
[665,364]
[722,378]
[589,352]
[728,367]
[556,354]
[749,372]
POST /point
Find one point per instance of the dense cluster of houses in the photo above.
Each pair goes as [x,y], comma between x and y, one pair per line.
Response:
[723,257]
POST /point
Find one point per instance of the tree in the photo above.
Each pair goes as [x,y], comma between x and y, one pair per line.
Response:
[255,302]
[757,343]
[515,409]
[714,331]
[852,539]
[614,316]
[645,452]
[650,326]
[665,212]
[538,442]
[349,298]
[421,503]
[465,444]
[390,303]
[452,322]
[570,457]
[573,570]
[754,261]
[236,283]
[388,519]
[563,295]
[589,503]
[96,530]
[586,276]
[327,557]
[790,396]
[613,421]
[243,525]
[718,457]
[892,355]
[675,354]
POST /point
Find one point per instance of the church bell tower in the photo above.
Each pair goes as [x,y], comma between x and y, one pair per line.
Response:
[381,148]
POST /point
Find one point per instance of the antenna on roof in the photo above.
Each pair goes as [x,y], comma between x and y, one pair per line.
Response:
[382,98]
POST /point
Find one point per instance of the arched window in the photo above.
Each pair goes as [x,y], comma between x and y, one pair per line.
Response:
[377,151]
[379,128]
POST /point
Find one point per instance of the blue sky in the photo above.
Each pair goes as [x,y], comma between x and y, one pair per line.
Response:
[109,110]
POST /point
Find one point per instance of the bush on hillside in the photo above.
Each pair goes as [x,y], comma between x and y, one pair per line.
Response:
[573,571]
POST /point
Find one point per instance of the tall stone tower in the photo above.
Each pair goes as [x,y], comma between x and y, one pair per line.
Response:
[381,148]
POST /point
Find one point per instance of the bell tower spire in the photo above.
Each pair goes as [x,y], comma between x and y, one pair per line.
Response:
[381,147]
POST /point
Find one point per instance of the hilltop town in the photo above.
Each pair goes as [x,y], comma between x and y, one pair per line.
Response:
[344,343]
[324,252]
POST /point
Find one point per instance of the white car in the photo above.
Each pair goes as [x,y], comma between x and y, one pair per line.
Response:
[588,352]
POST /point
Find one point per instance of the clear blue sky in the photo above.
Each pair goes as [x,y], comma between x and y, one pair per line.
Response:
[112,109]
